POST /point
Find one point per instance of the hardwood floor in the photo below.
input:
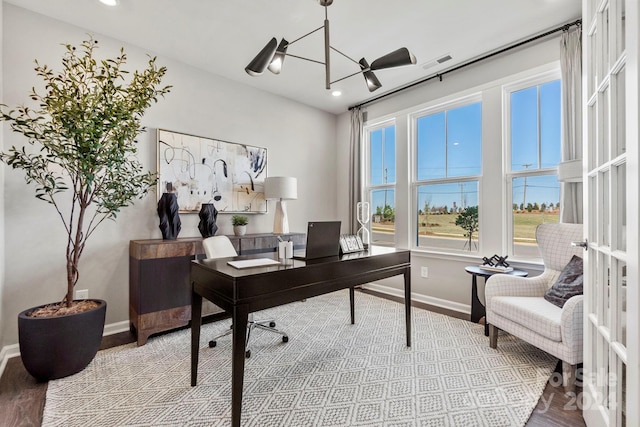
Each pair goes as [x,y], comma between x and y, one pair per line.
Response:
[22,398]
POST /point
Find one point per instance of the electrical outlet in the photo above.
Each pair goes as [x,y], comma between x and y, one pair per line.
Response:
[424,272]
[82,294]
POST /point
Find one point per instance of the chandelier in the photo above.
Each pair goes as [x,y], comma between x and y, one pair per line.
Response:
[273,54]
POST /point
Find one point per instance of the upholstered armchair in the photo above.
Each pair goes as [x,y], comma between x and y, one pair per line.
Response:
[517,304]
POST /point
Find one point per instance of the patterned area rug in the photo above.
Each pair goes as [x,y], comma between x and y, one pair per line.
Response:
[330,373]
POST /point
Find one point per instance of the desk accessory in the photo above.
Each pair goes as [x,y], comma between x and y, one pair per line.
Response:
[350,243]
[363,215]
[496,263]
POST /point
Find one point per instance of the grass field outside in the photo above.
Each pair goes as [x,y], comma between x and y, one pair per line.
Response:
[444,225]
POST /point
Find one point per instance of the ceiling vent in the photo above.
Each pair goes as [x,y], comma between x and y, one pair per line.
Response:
[436,61]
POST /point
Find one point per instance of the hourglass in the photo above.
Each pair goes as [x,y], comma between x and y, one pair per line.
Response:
[363,215]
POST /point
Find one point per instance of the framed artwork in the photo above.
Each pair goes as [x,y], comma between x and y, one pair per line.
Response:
[205,170]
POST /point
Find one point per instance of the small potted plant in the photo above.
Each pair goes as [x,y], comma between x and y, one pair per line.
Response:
[83,126]
[239,224]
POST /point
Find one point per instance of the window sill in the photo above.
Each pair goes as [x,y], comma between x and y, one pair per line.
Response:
[475,259]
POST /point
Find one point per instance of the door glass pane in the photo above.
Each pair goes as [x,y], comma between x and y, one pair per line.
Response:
[602,374]
[592,136]
[619,113]
[606,39]
[536,200]
[592,67]
[603,120]
[605,291]
[621,188]
[384,217]
[604,205]
[448,216]
[622,303]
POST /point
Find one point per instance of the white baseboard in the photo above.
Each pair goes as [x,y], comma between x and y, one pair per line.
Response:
[442,303]
[13,350]
[116,328]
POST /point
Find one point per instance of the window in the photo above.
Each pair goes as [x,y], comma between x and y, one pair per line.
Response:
[381,183]
[534,133]
[448,166]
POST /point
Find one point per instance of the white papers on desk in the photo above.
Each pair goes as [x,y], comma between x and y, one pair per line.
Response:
[256,262]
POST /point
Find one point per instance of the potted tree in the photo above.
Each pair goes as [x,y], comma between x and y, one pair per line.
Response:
[239,224]
[85,165]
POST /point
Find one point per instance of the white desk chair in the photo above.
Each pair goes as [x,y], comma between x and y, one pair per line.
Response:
[221,247]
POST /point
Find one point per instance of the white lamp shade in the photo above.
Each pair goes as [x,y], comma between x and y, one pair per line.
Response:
[280,188]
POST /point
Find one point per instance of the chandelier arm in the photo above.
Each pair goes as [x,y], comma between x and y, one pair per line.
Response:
[345,55]
[306,35]
[346,77]
[305,59]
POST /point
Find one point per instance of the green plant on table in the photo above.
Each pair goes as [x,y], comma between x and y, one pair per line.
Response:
[238,220]
[84,127]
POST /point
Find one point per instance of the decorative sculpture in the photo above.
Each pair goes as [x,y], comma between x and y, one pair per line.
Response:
[496,261]
[169,219]
[208,215]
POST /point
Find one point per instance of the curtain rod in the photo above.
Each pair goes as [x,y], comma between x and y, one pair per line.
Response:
[564,27]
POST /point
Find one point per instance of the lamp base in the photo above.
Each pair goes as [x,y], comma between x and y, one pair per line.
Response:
[281,221]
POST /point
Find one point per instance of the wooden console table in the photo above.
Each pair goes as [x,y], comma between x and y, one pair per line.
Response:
[159,287]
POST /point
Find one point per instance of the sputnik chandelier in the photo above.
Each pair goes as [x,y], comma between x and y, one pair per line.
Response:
[273,54]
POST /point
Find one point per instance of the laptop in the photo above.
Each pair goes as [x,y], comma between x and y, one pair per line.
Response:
[323,240]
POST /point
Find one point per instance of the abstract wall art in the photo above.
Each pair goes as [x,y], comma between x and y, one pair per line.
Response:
[205,170]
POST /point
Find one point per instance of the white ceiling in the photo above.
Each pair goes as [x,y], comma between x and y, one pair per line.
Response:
[222,37]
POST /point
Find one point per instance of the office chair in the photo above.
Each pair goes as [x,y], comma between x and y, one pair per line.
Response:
[221,247]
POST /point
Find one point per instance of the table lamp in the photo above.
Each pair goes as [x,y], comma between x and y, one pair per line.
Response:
[280,188]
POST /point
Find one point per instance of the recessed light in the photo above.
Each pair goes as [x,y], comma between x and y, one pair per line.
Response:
[109,2]
[336,93]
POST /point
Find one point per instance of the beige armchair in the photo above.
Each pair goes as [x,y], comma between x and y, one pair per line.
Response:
[517,305]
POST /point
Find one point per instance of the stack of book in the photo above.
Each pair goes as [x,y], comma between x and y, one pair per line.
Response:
[496,268]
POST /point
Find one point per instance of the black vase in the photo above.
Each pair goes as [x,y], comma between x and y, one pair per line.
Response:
[169,219]
[208,215]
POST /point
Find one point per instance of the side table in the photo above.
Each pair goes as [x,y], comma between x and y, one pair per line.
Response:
[477,309]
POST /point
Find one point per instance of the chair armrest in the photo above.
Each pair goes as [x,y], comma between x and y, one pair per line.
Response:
[571,322]
[514,286]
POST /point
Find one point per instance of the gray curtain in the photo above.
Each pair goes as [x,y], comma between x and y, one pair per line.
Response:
[571,67]
[355,178]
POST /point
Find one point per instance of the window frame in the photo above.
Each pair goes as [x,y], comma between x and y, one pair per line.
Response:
[508,174]
[368,187]
[413,118]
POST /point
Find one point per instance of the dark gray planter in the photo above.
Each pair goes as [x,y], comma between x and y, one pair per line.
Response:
[56,347]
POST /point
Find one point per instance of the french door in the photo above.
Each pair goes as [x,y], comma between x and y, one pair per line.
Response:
[610,88]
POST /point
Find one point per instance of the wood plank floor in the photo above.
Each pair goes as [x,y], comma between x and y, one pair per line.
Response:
[22,398]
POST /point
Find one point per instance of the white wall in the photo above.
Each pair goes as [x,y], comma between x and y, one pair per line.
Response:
[300,142]
[2,169]
[448,285]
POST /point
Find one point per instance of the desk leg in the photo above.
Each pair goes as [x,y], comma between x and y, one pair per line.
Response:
[240,318]
[196,322]
[407,303]
[352,304]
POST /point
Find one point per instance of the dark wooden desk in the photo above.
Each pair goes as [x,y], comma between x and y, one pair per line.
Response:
[243,291]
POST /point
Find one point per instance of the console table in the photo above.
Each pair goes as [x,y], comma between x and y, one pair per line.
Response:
[159,287]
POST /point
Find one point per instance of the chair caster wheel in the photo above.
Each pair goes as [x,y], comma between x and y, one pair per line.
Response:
[285,338]
[212,344]
[248,354]
[272,324]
